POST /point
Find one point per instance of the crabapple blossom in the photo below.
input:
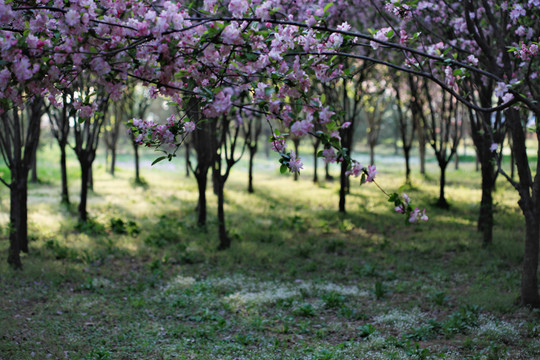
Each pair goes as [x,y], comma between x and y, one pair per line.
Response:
[295,164]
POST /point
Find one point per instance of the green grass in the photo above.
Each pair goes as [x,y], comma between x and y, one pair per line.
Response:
[301,281]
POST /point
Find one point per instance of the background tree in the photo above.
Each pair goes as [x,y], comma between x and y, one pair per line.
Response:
[443,130]
[252,128]
[86,132]
[19,137]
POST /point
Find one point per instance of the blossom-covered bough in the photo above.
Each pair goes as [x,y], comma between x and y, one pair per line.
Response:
[261,56]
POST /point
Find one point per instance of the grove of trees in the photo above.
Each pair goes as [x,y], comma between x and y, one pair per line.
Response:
[303,68]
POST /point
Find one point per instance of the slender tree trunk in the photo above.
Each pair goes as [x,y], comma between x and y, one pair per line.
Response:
[187,148]
[406,153]
[252,151]
[343,187]
[456,161]
[529,203]
[315,162]
[33,174]
[137,165]
[90,181]
[63,170]
[529,277]
[202,180]
[371,154]
[224,240]
[85,178]
[296,143]
[442,203]
[485,217]
[113,160]
[18,236]
[421,149]
[327,175]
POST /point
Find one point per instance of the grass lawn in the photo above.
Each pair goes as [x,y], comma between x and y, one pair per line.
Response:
[301,281]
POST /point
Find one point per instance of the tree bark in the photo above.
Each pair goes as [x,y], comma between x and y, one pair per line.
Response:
[296,143]
[85,178]
[18,236]
[63,170]
[113,160]
[252,151]
[315,160]
[186,158]
[485,217]
[202,179]
[137,165]
[224,239]
[442,203]
[343,189]
[406,154]
[327,175]
[529,203]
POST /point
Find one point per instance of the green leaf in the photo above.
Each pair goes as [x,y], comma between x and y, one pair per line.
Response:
[161,158]
[283,169]
[320,153]
[389,34]
[328,6]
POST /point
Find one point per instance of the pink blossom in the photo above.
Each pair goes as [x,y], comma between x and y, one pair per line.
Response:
[493,147]
[507,97]
[238,7]
[232,35]
[329,155]
[472,60]
[301,128]
[325,115]
[346,125]
[371,171]
[295,164]
[355,170]
[501,89]
[417,215]
[189,127]
[72,18]
[5,75]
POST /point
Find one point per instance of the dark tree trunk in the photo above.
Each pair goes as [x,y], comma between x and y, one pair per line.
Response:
[485,217]
[456,161]
[343,189]
[422,149]
[137,165]
[202,179]
[529,203]
[529,277]
[442,203]
[316,144]
[406,154]
[252,151]
[90,182]
[296,143]
[327,175]
[371,154]
[33,174]
[187,148]
[63,170]
[113,160]
[85,178]
[18,236]
[224,240]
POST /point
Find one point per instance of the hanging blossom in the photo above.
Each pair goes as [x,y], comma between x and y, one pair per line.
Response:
[295,164]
